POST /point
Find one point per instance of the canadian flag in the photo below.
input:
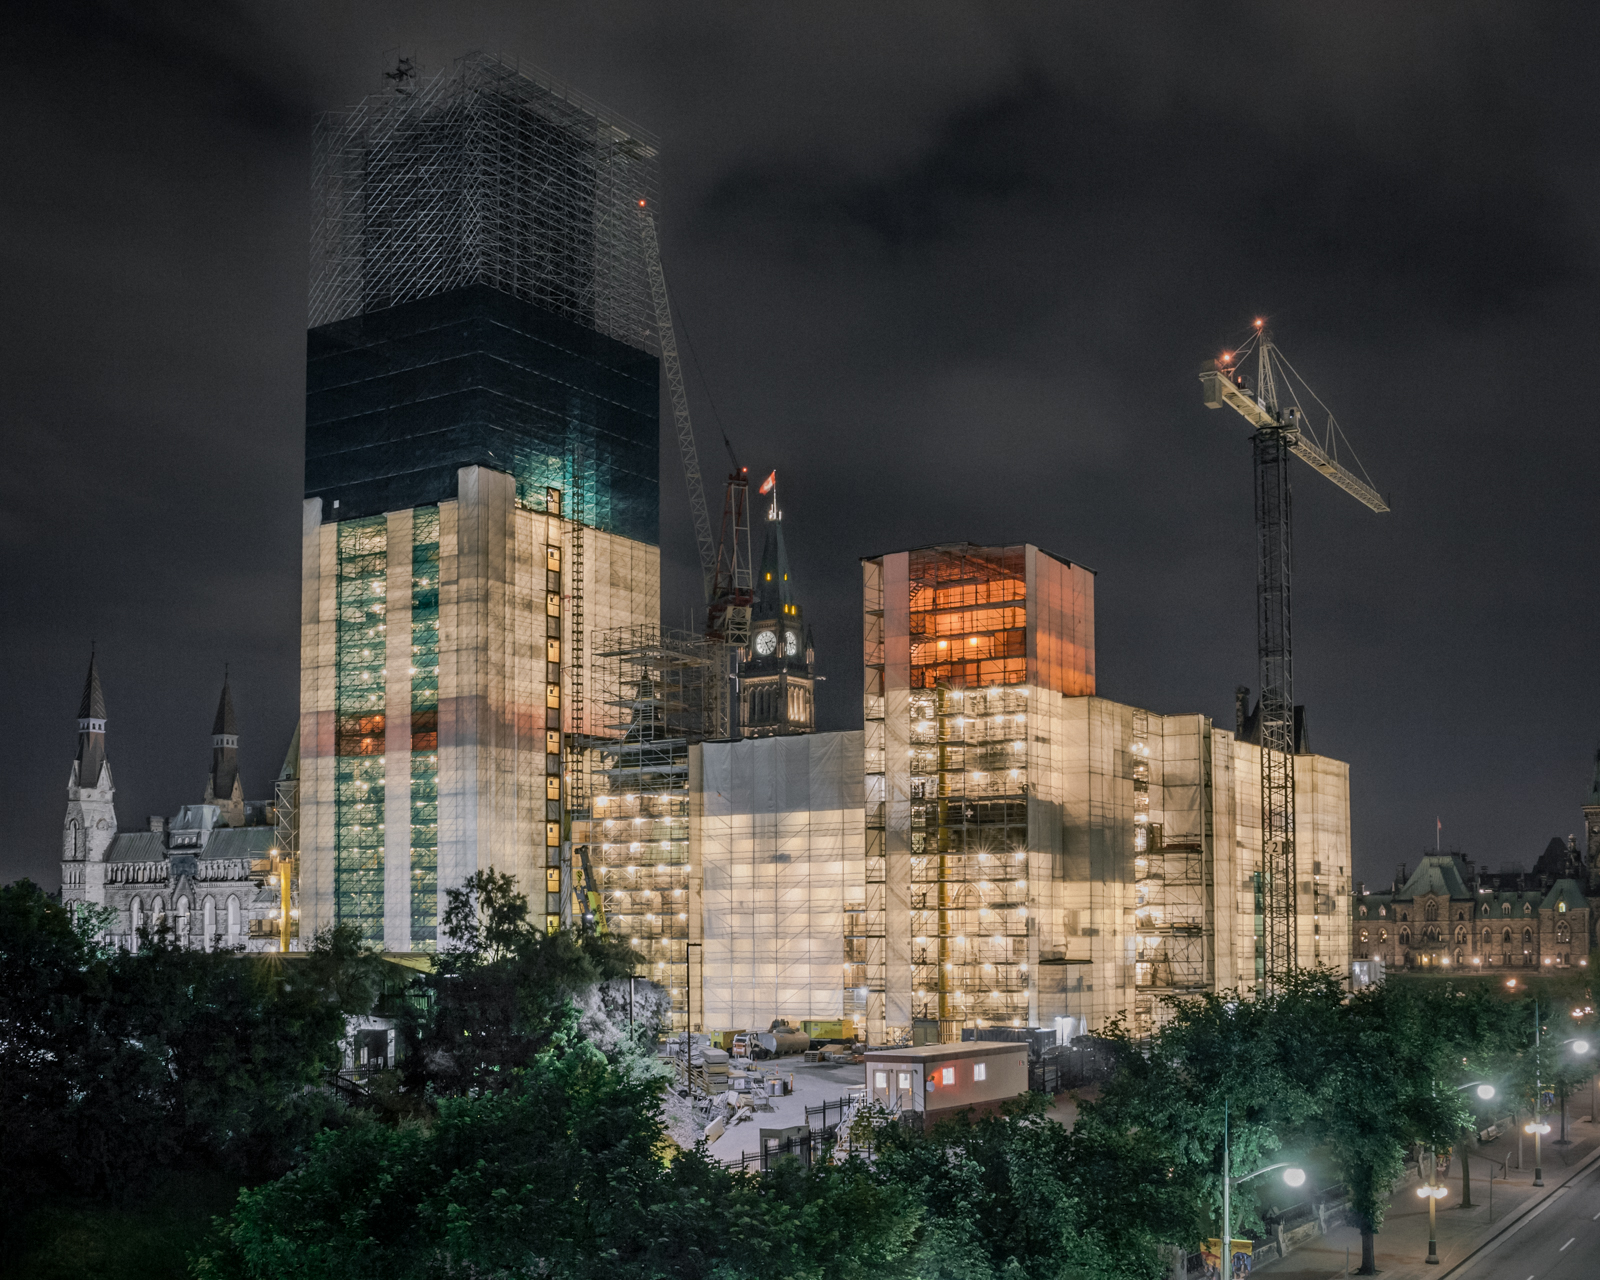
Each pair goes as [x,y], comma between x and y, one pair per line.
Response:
[770,483]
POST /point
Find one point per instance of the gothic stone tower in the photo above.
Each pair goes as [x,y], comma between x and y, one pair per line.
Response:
[777,678]
[223,786]
[91,819]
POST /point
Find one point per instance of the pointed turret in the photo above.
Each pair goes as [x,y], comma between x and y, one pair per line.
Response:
[224,788]
[91,758]
[91,819]
[776,677]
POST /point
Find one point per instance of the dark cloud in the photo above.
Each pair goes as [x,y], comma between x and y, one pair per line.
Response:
[951,268]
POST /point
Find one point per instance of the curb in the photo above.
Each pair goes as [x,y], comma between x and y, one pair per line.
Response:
[1524,1214]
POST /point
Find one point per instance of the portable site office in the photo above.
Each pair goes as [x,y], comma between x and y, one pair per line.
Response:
[935,1081]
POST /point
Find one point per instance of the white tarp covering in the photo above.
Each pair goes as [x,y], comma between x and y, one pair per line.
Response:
[778,834]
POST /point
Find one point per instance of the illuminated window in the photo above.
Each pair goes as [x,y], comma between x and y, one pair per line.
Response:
[880,1079]
[903,1079]
[980,1071]
[947,1076]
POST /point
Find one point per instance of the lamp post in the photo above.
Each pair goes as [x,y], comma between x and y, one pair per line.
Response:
[1433,1194]
[1293,1175]
[1581,1048]
[1485,1091]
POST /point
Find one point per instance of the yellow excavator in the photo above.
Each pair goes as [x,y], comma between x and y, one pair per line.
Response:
[594,909]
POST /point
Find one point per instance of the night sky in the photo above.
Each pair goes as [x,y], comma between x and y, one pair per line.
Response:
[952,270]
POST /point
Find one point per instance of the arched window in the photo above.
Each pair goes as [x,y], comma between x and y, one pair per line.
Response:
[233,915]
[73,844]
[1363,938]
[135,916]
[1505,908]
[1404,916]
[158,914]
[1405,937]
[1505,940]
[1563,933]
[1562,905]
[1485,908]
[1461,934]
[1458,955]
[1362,912]
[1383,936]
[1485,939]
[1461,915]
[1431,911]
[1527,908]
[1383,911]
[208,922]
[181,910]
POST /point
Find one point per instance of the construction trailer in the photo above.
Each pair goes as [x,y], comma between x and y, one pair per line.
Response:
[935,1082]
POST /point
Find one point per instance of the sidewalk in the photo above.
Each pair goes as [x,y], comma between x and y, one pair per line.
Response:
[1402,1245]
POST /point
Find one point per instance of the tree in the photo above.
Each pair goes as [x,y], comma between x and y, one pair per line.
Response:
[502,990]
[113,1063]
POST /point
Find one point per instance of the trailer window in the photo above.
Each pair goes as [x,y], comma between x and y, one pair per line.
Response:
[905,1080]
[947,1076]
[980,1071]
[880,1079]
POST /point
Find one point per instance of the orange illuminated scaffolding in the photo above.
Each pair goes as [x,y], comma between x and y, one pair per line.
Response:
[969,816]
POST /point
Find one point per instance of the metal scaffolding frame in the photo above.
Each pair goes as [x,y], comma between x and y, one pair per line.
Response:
[484,174]
[635,823]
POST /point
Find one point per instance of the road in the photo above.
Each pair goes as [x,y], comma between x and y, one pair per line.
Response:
[1560,1240]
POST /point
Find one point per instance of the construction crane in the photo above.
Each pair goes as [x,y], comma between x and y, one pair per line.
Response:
[1271,403]
[698,510]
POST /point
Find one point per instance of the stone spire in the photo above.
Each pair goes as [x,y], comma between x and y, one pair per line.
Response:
[91,758]
[224,788]
[777,673]
[90,823]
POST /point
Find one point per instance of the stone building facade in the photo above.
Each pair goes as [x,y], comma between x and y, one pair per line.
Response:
[206,875]
[1447,915]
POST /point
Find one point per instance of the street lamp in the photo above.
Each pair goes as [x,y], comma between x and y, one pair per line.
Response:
[1485,1092]
[1432,1194]
[1293,1175]
[1581,1048]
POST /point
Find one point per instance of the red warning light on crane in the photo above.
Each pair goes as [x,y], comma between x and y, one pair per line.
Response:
[641,205]
[1259,323]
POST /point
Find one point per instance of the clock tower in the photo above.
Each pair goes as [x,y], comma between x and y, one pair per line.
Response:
[777,679]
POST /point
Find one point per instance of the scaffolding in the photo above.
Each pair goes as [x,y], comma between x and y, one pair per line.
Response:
[779,854]
[360,725]
[635,822]
[1171,922]
[483,174]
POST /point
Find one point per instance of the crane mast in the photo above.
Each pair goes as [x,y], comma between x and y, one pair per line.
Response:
[1281,430]
[680,401]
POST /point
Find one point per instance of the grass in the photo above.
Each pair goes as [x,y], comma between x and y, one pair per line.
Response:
[149,1237]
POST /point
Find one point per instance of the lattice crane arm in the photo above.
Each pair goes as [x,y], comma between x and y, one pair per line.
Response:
[1227,387]
[698,510]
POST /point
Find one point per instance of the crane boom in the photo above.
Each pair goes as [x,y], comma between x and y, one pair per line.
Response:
[1280,430]
[698,510]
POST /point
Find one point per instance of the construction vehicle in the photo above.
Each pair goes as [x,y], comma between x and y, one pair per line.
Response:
[1270,402]
[594,913]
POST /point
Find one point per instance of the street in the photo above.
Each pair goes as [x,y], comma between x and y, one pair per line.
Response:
[1559,1240]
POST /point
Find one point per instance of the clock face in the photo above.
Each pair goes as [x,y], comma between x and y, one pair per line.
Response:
[791,643]
[766,643]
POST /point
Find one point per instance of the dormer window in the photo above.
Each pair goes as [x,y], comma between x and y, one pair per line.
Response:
[1527,908]
[1505,908]
[1363,913]
[1561,906]
[1383,911]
